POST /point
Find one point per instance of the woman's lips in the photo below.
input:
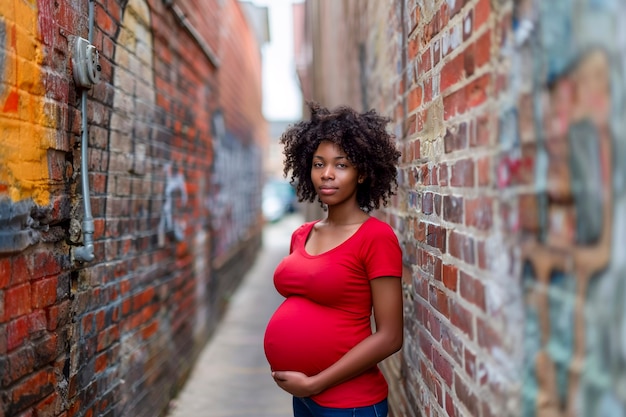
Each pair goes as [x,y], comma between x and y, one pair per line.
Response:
[327,190]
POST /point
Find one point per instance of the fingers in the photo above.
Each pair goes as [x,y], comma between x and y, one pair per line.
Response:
[278,376]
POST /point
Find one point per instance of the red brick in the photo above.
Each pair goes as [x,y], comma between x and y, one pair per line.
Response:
[450,277]
[21,362]
[44,292]
[48,406]
[421,285]
[470,364]
[57,315]
[416,150]
[481,254]
[443,368]
[427,203]
[453,209]
[439,300]
[456,138]
[477,91]
[450,406]
[148,331]
[17,332]
[461,247]
[104,21]
[472,290]
[102,360]
[32,389]
[433,324]
[452,72]
[413,48]
[5,272]
[469,60]
[415,98]
[411,125]
[479,213]
[467,397]
[419,231]
[451,344]
[434,385]
[484,171]
[443,175]
[37,322]
[462,173]
[45,264]
[47,348]
[107,337]
[17,301]
[3,339]
[425,64]
[436,237]
[454,104]
[434,179]
[462,318]
[482,54]
[487,337]
[438,200]
[484,130]
[482,11]
[20,271]
[426,345]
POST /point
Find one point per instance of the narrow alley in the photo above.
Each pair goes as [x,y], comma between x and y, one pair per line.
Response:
[231,377]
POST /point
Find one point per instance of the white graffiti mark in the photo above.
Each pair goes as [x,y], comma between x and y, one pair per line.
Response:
[173,183]
[235,188]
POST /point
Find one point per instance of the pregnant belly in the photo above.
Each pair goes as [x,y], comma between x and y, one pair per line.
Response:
[307,337]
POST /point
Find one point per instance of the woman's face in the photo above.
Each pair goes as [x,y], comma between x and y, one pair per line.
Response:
[334,177]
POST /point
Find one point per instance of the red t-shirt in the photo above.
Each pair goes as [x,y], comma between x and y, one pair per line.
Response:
[328,307]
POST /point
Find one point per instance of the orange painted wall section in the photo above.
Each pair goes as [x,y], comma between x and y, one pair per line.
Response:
[25,128]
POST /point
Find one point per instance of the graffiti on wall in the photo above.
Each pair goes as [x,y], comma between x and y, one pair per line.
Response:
[28,130]
[175,187]
[568,100]
[27,126]
[235,188]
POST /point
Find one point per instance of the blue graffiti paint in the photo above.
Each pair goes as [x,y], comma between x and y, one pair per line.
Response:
[557,37]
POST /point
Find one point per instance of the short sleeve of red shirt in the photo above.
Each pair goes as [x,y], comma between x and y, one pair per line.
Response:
[381,255]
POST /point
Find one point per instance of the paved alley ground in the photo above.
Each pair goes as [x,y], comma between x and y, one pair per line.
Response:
[232,377]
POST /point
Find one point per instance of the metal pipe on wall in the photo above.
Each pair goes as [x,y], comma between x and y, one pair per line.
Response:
[85,253]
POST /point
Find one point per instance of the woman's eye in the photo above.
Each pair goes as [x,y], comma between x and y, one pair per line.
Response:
[341,165]
[318,164]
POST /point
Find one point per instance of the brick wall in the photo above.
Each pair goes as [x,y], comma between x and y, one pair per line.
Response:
[511,203]
[117,336]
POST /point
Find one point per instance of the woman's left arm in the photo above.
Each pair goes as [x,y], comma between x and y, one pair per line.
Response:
[387,339]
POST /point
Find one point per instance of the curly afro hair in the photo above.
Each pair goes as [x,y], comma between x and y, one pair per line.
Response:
[364,139]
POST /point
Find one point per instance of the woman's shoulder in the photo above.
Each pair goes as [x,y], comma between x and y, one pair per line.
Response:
[375,225]
[304,228]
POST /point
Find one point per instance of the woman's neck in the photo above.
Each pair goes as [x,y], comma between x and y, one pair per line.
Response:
[344,216]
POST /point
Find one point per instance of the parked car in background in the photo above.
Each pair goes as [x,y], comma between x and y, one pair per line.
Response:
[279,199]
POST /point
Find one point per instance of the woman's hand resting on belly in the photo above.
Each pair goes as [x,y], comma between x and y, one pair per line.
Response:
[296,383]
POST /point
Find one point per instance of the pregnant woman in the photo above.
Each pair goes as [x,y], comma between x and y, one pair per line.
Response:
[341,270]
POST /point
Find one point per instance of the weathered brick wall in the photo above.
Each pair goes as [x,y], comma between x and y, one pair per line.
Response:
[511,204]
[117,336]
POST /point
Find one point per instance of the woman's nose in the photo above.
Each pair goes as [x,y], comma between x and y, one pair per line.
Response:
[328,172]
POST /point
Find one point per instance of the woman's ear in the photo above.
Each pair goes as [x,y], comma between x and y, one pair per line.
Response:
[361,179]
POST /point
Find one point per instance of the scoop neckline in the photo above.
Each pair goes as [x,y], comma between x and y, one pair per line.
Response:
[310,229]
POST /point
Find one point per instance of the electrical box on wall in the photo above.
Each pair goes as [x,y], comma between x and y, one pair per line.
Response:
[86,64]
